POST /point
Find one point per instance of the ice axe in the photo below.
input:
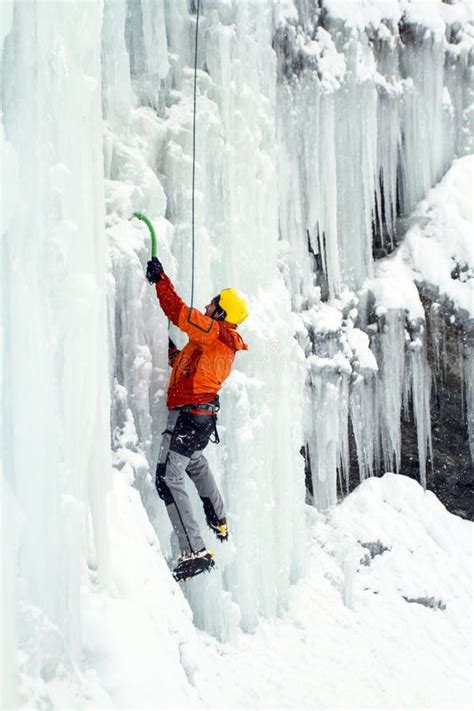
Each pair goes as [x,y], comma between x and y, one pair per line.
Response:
[144,218]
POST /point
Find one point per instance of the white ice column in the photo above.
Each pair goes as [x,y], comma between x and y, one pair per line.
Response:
[364,419]
[389,91]
[327,136]
[307,180]
[56,387]
[420,387]
[258,459]
[391,363]
[117,94]
[423,157]
[327,415]
[356,161]
[145,33]
[329,394]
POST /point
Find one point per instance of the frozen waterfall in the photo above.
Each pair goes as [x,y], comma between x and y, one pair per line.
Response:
[319,130]
[56,454]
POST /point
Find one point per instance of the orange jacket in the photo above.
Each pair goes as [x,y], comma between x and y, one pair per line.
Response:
[205,362]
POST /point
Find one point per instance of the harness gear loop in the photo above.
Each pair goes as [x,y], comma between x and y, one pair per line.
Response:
[216,439]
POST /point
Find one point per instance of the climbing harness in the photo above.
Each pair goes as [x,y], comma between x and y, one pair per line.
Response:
[207,408]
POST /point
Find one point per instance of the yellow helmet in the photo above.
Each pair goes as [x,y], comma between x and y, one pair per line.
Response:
[234,305]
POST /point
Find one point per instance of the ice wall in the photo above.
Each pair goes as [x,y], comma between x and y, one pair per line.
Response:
[56,456]
[258,462]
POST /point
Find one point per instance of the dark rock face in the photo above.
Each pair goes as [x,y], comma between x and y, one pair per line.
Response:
[450,472]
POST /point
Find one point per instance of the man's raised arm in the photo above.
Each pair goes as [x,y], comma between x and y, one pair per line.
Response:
[199,327]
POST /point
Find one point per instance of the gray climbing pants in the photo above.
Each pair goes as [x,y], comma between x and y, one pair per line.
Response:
[184,439]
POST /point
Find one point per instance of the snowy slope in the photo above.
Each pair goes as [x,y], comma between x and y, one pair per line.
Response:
[381,620]
[350,638]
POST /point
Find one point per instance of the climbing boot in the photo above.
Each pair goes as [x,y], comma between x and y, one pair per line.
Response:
[219,527]
[191,564]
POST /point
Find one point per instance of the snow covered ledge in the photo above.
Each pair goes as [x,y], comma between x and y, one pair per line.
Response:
[437,251]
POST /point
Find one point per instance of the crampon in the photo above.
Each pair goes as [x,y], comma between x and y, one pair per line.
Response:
[191,564]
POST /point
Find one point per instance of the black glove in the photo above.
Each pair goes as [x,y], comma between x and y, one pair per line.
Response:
[173,352]
[154,270]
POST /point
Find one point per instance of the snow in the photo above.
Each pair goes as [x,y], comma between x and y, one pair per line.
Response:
[320,639]
[381,548]
[365,13]
[393,287]
[439,242]
[359,342]
[429,14]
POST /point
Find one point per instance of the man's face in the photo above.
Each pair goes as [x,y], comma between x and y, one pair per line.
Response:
[211,309]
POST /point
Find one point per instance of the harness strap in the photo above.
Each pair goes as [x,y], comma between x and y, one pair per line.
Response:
[216,439]
[205,408]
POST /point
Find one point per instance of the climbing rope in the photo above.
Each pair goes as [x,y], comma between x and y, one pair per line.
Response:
[194,149]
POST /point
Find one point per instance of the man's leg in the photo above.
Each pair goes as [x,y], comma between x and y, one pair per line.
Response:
[171,489]
[199,471]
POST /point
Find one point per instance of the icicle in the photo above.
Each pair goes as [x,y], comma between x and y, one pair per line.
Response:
[389,90]
[468,372]
[391,362]
[461,363]
[357,135]
[328,435]
[343,464]
[435,329]
[425,156]
[324,444]
[420,392]
[323,118]
[363,412]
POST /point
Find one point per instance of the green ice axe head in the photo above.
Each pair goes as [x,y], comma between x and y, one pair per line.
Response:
[147,222]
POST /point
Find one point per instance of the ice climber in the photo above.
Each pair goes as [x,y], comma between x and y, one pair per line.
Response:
[198,371]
